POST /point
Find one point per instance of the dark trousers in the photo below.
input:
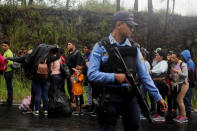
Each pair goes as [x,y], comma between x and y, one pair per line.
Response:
[171,98]
[8,78]
[187,100]
[40,88]
[163,90]
[69,87]
[109,111]
[152,100]
[58,82]
[32,97]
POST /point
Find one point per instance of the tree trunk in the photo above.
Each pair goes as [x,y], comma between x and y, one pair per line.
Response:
[67,4]
[166,21]
[30,2]
[173,6]
[10,2]
[150,24]
[136,5]
[24,2]
[118,5]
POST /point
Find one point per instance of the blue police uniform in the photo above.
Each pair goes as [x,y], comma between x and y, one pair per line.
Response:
[117,103]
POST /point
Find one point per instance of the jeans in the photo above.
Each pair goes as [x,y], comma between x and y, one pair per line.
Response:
[58,82]
[187,100]
[8,78]
[40,88]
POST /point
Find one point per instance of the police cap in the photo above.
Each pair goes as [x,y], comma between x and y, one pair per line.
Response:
[125,16]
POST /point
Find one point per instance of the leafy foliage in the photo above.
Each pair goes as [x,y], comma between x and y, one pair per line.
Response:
[95,5]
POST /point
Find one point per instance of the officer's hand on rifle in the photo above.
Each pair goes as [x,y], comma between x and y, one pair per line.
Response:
[164,106]
[120,78]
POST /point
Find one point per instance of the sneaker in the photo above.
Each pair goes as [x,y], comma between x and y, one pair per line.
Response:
[175,119]
[36,113]
[159,119]
[93,114]
[46,113]
[75,113]
[182,119]
[154,115]
[142,117]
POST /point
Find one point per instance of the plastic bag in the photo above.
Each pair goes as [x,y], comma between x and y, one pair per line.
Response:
[65,72]
[59,102]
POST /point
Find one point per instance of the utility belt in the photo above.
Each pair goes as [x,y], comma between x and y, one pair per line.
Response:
[122,90]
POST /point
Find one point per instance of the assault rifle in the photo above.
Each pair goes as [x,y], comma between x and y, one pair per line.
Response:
[140,98]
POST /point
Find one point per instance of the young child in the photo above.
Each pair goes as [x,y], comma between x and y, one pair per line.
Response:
[77,88]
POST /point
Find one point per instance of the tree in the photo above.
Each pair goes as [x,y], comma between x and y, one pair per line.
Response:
[117,5]
[30,2]
[136,5]
[23,2]
[166,20]
[150,25]
[173,6]
[67,3]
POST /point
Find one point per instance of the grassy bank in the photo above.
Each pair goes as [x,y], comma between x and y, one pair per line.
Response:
[21,88]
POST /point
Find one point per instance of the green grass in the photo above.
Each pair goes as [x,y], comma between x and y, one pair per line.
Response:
[22,88]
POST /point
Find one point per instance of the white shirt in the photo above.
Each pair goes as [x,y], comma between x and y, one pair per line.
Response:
[147,64]
[160,67]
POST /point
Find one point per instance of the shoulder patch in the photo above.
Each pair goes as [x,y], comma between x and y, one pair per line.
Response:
[96,54]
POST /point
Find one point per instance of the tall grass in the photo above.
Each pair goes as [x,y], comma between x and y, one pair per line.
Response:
[21,88]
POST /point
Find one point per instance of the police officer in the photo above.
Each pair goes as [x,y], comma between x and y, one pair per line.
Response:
[115,100]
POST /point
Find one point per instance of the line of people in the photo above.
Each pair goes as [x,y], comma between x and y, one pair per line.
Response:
[174,76]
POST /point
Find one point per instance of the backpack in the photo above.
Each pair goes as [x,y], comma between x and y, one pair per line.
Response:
[3,63]
[42,70]
[191,76]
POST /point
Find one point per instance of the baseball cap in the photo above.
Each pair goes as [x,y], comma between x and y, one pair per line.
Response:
[126,17]
[157,50]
